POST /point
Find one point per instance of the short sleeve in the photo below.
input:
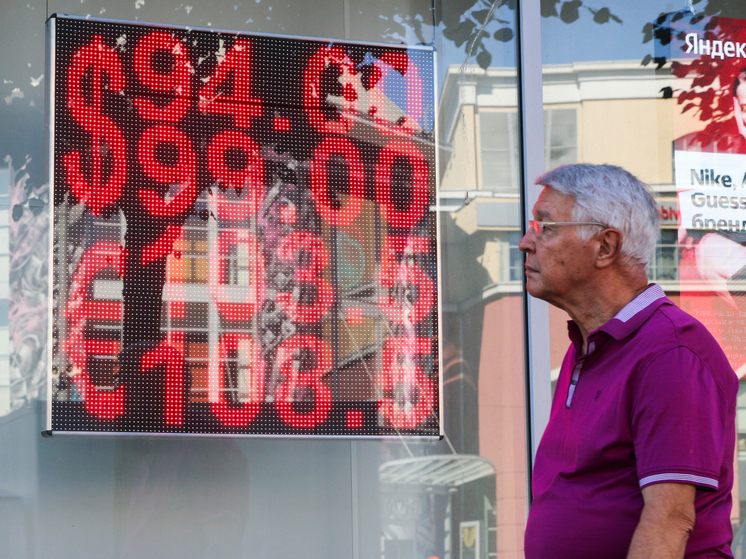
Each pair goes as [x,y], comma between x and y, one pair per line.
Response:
[678,422]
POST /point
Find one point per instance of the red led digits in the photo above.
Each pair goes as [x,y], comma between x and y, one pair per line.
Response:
[101,347]
[162,247]
[405,312]
[240,349]
[409,396]
[298,381]
[249,181]
[354,419]
[248,280]
[355,315]
[239,104]
[288,214]
[391,122]
[319,181]
[104,404]
[343,157]
[319,259]
[175,339]
[182,172]
[409,245]
[101,309]
[174,361]
[79,308]
[176,82]
[406,218]
[281,124]
[175,282]
[314,98]
[98,192]
[398,60]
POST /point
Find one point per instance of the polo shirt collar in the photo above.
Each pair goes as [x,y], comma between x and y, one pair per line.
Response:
[627,320]
[635,313]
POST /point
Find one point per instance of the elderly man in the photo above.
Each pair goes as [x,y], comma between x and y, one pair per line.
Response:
[637,459]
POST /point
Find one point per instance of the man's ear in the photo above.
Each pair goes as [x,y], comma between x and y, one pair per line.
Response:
[609,247]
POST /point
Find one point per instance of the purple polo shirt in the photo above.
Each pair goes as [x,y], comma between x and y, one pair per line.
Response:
[652,401]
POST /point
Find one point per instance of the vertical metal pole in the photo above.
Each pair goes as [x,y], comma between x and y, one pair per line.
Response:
[55,318]
[336,311]
[347,18]
[355,501]
[450,553]
[213,318]
[536,313]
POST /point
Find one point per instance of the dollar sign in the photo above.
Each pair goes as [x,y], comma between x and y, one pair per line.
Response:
[106,138]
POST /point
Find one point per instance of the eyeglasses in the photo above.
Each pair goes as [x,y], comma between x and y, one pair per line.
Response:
[540,226]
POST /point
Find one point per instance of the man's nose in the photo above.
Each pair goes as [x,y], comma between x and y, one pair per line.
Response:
[526,244]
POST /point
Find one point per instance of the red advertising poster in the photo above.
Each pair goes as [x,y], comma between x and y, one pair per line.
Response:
[709,64]
[245,239]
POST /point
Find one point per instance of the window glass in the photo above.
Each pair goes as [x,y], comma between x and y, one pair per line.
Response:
[139,497]
[640,103]
[560,137]
[499,152]
[664,267]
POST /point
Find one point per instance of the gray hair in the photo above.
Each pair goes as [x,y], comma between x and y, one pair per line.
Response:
[614,197]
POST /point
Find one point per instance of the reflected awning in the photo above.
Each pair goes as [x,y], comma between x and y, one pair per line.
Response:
[451,470]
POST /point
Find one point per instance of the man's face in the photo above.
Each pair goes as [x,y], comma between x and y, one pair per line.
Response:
[559,265]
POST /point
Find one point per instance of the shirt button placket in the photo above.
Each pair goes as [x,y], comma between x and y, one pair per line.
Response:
[576,375]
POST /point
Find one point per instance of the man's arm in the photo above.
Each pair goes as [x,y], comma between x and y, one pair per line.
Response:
[665,524]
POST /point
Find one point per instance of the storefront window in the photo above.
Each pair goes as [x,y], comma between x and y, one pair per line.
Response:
[642,103]
[561,137]
[499,153]
[615,90]
[134,496]
[664,266]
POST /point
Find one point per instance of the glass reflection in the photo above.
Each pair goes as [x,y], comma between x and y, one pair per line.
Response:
[644,104]
[461,497]
[482,295]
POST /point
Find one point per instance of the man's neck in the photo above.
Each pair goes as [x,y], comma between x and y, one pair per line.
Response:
[600,305]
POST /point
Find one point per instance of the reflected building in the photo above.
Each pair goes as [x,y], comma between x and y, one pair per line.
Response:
[463,497]
[593,112]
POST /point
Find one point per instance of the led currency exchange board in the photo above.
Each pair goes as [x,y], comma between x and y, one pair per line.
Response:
[244,234]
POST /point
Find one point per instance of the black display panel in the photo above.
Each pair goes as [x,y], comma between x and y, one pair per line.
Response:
[245,239]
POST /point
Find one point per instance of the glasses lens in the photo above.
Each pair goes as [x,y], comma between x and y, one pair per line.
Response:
[536,226]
